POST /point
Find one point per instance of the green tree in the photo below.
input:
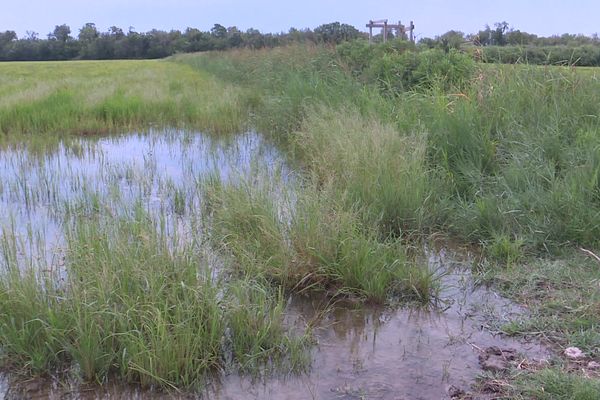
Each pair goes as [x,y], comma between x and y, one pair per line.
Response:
[498,37]
[218,31]
[451,40]
[336,33]
[88,32]
[61,33]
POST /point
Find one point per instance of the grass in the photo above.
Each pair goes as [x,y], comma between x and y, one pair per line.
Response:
[550,384]
[323,247]
[139,307]
[90,97]
[562,297]
[509,160]
[512,156]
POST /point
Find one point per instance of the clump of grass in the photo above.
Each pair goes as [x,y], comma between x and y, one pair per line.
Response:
[253,305]
[139,306]
[371,165]
[504,249]
[323,247]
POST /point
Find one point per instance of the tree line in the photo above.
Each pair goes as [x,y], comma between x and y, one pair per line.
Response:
[499,43]
[91,43]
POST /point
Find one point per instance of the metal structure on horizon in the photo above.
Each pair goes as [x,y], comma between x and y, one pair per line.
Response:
[385,28]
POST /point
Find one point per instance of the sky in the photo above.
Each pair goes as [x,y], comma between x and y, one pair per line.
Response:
[431,17]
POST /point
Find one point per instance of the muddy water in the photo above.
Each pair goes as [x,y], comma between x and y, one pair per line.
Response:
[362,353]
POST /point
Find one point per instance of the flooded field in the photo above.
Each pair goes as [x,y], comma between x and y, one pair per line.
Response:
[358,351]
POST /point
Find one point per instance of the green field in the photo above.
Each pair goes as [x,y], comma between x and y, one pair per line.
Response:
[90,97]
[506,158]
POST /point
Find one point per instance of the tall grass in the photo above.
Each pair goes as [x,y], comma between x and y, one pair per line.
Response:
[507,159]
[324,247]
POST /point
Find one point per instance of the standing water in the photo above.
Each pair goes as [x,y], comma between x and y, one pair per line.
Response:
[367,352]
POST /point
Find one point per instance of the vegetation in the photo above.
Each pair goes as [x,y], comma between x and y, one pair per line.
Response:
[394,142]
[324,247]
[584,55]
[498,44]
[503,44]
[91,44]
[501,157]
[101,97]
[562,297]
[137,306]
[550,384]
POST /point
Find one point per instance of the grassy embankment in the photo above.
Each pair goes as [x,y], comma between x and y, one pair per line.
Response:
[508,158]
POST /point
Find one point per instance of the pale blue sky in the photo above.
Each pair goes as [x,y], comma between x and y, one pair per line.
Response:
[431,17]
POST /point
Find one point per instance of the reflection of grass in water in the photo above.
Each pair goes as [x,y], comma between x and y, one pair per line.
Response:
[139,307]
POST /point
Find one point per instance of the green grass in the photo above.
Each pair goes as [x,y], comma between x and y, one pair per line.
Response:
[139,306]
[89,97]
[552,384]
[514,154]
[324,247]
[508,158]
[508,161]
[562,298]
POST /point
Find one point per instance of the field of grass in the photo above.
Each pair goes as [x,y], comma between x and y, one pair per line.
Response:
[129,298]
[510,162]
[91,97]
[504,157]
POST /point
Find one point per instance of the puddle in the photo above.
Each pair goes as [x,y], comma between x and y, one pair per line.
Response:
[397,354]
[361,353]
